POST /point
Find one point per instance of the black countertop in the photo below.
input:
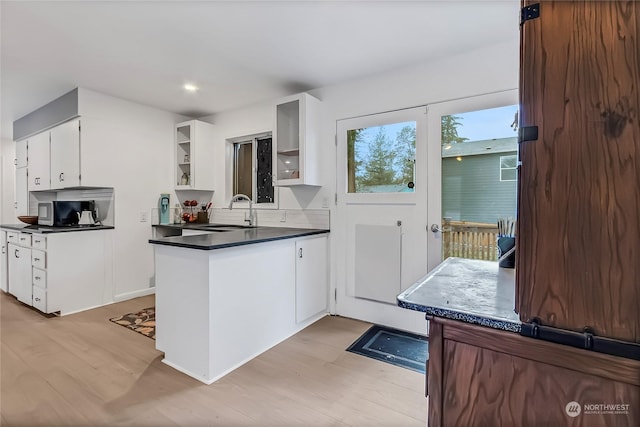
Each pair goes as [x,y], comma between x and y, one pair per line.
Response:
[472,291]
[45,229]
[230,237]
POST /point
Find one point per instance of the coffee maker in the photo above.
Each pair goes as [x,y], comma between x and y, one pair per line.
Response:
[163,208]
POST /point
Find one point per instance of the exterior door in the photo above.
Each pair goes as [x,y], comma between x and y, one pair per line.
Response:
[472,175]
[380,236]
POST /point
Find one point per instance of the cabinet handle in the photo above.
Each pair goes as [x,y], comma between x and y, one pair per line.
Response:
[15,162]
[16,253]
[61,176]
[37,277]
[36,259]
[300,253]
[36,241]
[37,299]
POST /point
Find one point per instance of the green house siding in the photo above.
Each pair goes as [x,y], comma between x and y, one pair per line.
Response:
[472,190]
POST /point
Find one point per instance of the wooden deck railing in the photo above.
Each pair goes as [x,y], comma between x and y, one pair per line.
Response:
[474,240]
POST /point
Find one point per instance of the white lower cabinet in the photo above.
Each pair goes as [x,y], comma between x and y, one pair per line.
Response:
[61,272]
[19,263]
[3,262]
[311,277]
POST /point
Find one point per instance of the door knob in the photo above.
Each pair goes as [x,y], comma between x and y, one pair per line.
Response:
[435,228]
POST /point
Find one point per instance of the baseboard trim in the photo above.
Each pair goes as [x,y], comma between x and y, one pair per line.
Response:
[134,294]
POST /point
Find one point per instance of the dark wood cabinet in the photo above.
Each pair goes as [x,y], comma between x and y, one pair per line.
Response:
[578,236]
[479,376]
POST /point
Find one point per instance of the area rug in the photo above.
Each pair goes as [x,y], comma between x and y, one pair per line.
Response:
[143,322]
[399,348]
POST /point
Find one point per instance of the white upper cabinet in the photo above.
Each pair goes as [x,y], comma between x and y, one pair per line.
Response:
[194,156]
[65,155]
[38,166]
[297,142]
[21,154]
[21,189]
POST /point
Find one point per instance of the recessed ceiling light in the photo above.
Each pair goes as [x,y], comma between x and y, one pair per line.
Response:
[190,87]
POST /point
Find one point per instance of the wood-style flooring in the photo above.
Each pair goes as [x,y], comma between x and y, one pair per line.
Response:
[82,370]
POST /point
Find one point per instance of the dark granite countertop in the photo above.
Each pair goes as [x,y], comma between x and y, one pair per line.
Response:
[232,236]
[45,229]
[472,291]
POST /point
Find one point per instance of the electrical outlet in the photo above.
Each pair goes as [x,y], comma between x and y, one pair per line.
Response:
[283,216]
[144,216]
[325,202]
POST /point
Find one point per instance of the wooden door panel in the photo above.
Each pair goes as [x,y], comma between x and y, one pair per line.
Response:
[578,257]
[483,387]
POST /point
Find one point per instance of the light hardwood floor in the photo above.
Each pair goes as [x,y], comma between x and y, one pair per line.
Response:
[83,370]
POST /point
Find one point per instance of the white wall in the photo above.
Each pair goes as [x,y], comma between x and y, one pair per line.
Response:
[7,212]
[133,153]
[486,70]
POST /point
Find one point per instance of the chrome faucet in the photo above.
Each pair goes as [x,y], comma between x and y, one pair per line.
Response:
[252,220]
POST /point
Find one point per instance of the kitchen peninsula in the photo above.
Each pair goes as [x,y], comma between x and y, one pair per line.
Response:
[226,296]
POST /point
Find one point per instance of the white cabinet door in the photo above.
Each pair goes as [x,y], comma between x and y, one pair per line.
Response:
[22,192]
[21,153]
[193,156]
[39,170]
[311,277]
[65,155]
[3,262]
[297,153]
[19,263]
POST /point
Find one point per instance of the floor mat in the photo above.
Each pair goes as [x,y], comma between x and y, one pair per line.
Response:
[389,345]
[143,322]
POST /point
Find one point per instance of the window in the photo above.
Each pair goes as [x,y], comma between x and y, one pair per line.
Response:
[508,168]
[381,159]
[252,168]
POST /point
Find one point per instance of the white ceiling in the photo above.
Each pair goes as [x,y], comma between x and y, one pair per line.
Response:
[237,52]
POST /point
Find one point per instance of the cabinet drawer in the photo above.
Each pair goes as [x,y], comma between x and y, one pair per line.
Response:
[40,299]
[12,236]
[24,240]
[38,259]
[38,241]
[39,277]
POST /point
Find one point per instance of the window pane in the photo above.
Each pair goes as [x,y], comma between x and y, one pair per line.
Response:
[242,183]
[508,162]
[264,182]
[381,159]
[478,180]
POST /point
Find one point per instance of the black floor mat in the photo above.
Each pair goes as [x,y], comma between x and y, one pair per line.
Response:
[399,348]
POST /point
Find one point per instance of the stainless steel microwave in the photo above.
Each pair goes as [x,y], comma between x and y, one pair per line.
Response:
[62,213]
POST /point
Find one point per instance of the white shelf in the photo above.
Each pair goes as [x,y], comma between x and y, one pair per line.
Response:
[290,152]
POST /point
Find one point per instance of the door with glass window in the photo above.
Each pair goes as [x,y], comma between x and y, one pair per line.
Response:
[473,162]
[380,227]
[415,187]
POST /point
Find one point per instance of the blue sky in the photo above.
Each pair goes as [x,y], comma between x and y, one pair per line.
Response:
[487,124]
